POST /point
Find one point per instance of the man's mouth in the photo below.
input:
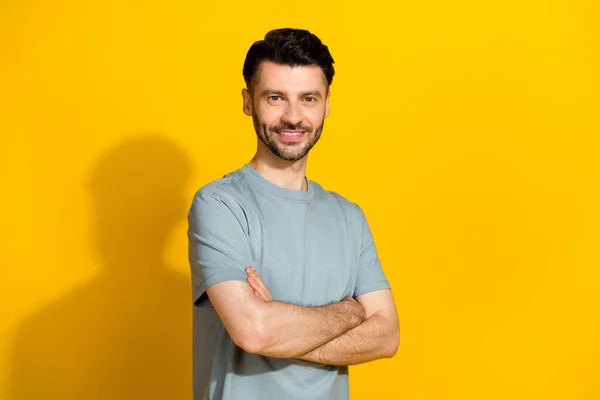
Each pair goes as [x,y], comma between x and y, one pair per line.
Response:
[291,135]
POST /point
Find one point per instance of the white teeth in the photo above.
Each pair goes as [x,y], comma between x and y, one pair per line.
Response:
[291,133]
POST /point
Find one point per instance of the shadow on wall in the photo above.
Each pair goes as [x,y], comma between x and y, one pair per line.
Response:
[126,334]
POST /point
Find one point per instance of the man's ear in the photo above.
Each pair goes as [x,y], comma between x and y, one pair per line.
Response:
[327,103]
[247,102]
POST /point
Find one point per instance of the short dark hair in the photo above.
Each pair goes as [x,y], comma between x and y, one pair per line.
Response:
[291,47]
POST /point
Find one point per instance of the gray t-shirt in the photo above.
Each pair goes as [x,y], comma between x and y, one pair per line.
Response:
[311,248]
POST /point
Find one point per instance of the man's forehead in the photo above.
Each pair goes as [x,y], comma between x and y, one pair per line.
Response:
[300,77]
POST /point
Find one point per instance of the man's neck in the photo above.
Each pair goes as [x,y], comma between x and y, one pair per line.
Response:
[285,174]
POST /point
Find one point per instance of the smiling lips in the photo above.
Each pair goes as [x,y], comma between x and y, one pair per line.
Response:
[291,136]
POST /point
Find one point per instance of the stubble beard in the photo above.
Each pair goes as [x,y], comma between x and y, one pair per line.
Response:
[291,151]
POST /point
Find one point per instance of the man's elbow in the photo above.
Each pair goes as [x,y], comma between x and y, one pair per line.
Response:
[393,343]
[249,343]
[251,336]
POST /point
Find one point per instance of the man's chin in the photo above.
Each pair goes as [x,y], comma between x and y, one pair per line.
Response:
[289,156]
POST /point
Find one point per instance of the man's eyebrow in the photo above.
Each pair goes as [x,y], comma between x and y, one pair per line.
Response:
[272,92]
[315,93]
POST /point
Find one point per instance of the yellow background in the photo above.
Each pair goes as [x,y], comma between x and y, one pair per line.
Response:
[467,130]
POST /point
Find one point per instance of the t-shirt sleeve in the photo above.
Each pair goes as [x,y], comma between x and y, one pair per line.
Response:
[370,273]
[219,249]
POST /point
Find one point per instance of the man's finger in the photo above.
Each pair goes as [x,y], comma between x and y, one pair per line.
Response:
[258,295]
[260,284]
[257,283]
[261,292]
[253,284]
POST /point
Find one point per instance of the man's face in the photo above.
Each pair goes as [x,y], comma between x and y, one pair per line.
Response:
[288,106]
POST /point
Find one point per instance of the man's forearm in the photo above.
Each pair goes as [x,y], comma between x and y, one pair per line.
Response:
[289,330]
[377,337]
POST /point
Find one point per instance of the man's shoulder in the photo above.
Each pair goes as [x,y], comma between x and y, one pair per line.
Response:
[338,199]
[221,198]
[230,186]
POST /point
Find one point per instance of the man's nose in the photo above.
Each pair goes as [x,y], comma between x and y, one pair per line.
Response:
[293,114]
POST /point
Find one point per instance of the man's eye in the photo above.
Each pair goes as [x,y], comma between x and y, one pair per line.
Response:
[274,98]
[310,99]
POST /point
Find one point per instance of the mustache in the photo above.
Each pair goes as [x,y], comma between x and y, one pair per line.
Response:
[288,127]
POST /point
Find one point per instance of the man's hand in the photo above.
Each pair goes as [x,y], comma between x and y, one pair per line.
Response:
[258,286]
[262,292]
[376,338]
[260,325]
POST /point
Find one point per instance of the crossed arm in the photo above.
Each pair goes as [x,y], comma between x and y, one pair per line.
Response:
[344,333]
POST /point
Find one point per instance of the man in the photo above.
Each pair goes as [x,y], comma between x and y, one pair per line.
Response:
[288,288]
